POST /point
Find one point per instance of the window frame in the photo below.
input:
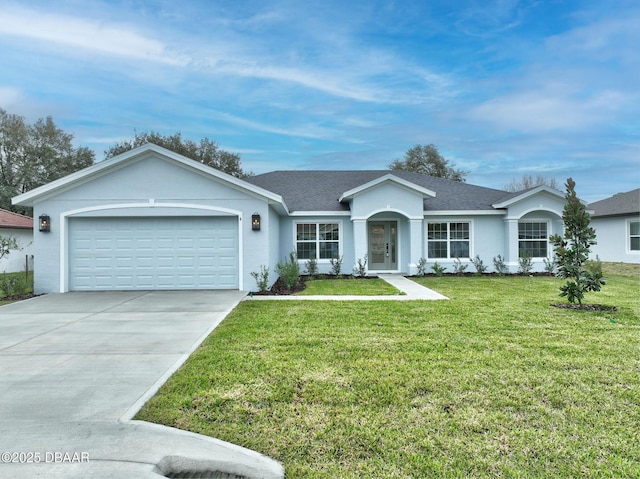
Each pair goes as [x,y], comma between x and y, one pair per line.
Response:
[317,241]
[547,224]
[630,236]
[449,239]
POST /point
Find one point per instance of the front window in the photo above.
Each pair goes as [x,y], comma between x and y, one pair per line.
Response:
[634,236]
[533,239]
[448,240]
[317,240]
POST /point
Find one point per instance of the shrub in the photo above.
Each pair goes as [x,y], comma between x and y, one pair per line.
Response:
[458,267]
[360,269]
[525,262]
[499,265]
[437,269]
[549,266]
[262,278]
[312,267]
[421,266]
[479,265]
[14,283]
[336,265]
[289,271]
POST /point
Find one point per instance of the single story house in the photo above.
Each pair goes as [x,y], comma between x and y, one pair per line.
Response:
[152,219]
[617,224]
[19,227]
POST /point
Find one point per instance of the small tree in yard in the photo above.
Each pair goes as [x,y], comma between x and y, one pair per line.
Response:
[7,243]
[572,249]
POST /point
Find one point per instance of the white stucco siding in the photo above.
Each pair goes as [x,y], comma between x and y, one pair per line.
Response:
[612,235]
[387,198]
[17,258]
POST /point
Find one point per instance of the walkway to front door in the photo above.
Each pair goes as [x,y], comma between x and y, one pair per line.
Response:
[383,241]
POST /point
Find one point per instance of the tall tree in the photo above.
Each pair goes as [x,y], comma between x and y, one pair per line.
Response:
[572,249]
[528,181]
[206,151]
[32,155]
[427,160]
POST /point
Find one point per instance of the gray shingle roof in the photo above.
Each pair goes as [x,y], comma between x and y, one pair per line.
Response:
[320,190]
[620,204]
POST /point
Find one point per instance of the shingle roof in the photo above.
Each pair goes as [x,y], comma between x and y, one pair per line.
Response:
[320,190]
[619,204]
[14,220]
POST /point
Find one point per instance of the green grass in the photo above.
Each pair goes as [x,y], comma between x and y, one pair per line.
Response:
[350,286]
[493,383]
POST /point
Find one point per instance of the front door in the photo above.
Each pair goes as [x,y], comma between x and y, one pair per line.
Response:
[383,237]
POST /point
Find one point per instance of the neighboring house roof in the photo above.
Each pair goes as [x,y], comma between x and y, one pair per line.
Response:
[14,220]
[322,190]
[617,205]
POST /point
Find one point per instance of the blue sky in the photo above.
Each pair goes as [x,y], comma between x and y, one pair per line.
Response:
[503,88]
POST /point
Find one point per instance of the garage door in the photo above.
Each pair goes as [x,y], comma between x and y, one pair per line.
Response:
[153,253]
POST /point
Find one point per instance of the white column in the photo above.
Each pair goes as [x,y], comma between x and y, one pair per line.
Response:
[511,250]
[416,248]
[360,240]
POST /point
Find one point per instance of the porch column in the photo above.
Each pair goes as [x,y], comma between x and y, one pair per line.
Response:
[511,250]
[359,240]
[416,248]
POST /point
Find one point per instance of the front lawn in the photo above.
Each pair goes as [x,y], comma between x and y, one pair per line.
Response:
[349,286]
[493,383]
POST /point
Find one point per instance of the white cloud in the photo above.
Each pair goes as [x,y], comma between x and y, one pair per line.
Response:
[85,34]
[9,96]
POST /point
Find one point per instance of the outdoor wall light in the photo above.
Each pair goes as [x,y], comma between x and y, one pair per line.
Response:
[255,222]
[45,223]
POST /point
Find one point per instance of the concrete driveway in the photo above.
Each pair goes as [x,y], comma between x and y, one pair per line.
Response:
[76,367]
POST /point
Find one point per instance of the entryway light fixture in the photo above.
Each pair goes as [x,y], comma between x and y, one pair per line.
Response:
[45,223]
[255,222]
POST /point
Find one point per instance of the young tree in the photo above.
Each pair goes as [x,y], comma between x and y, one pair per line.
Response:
[572,249]
[32,155]
[7,243]
[427,160]
[206,152]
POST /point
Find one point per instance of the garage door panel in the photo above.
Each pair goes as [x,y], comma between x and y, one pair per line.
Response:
[153,253]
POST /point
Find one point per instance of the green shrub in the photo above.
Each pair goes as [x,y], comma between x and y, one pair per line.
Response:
[289,271]
[262,278]
[499,265]
[458,267]
[421,265]
[525,263]
[336,265]
[479,265]
[360,269]
[437,269]
[311,266]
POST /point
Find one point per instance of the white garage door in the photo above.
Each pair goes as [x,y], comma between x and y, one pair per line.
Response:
[153,253]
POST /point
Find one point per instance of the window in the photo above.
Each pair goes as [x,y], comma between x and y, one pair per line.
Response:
[448,240]
[532,239]
[634,236]
[317,240]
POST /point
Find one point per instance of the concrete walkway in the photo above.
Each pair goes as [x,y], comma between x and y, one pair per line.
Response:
[76,367]
[410,289]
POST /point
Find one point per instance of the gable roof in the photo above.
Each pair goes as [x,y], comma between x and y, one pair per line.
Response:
[511,198]
[617,205]
[388,178]
[319,190]
[9,219]
[111,164]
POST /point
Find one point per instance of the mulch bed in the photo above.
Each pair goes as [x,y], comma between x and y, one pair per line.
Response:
[586,307]
[19,297]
